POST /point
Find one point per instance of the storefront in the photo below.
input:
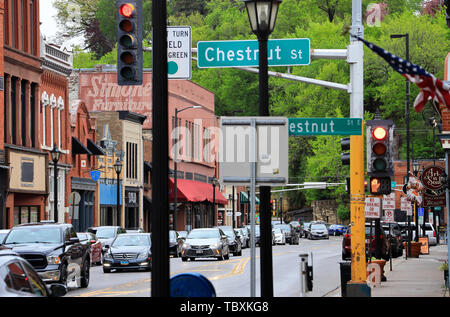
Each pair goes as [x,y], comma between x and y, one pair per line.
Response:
[86,189]
[131,207]
[108,202]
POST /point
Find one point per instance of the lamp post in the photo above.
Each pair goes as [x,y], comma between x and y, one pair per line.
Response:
[214,182]
[118,169]
[55,158]
[175,159]
[262,15]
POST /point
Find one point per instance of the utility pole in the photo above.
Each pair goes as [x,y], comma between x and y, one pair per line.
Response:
[357,285]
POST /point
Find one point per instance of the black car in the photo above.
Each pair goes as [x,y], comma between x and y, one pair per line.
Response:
[106,234]
[19,279]
[234,242]
[175,243]
[257,234]
[394,236]
[129,251]
[54,250]
[290,233]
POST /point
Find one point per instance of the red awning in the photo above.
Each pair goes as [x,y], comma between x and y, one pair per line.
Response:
[194,191]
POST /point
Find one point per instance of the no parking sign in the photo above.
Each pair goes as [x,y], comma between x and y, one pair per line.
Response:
[389,215]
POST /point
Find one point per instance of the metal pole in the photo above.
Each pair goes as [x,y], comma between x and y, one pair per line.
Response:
[251,198]
[232,220]
[175,176]
[214,202]
[264,207]
[160,282]
[447,198]
[118,199]
[55,190]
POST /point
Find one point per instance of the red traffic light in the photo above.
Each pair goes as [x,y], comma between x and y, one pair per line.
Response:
[379,133]
[379,148]
[126,10]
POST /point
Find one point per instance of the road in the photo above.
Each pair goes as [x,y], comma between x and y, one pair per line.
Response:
[231,278]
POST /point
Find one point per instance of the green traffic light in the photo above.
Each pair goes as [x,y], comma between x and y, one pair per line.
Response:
[127,73]
[379,164]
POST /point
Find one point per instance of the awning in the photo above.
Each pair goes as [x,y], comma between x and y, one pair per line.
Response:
[244,198]
[78,147]
[94,148]
[194,191]
[108,194]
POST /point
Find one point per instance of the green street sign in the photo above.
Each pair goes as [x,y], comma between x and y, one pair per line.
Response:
[282,52]
[325,126]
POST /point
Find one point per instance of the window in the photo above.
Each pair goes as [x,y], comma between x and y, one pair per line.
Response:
[17,279]
[23,111]
[27,171]
[37,286]
[13,110]
[31,28]
[132,158]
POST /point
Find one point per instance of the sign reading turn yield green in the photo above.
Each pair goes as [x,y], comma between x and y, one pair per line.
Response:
[282,52]
[325,126]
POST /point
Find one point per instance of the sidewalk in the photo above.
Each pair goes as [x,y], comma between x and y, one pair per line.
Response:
[414,277]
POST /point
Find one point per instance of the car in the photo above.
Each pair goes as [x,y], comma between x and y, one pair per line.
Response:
[242,236]
[3,233]
[175,243]
[393,234]
[19,279]
[96,246]
[106,234]
[369,240]
[257,234]
[205,243]
[280,237]
[134,230]
[234,242]
[317,231]
[336,230]
[305,227]
[429,231]
[54,251]
[291,234]
[129,251]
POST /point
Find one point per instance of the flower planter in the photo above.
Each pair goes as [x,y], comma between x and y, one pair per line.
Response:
[381,264]
[415,249]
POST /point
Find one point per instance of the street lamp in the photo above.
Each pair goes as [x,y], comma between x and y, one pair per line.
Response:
[118,169]
[175,159]
[262,15]
[55,158]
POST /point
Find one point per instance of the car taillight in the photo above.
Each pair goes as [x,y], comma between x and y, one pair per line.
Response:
[434,233]
[347,235]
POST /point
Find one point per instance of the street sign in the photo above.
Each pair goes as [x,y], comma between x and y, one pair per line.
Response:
[389,201]
[237,151]
[179,52]
[325,126]
[434,193]
[389,215]
[280,52]
[372,207]
[405,205]
[95,175]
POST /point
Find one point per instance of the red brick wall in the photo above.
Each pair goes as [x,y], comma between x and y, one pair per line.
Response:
[2,31]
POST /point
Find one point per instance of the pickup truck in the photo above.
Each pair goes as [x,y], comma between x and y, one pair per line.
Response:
[54,251]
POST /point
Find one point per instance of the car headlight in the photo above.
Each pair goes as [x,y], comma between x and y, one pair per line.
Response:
[53,259]
[186,245]
[108,256]
[215,245]
[142,255]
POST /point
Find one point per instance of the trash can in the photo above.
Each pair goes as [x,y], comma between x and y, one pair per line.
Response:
[346,275]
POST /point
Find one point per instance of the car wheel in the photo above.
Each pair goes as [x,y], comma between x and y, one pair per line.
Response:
[227,256]
[85,274]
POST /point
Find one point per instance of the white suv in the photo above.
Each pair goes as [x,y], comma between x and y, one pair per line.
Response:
[429,231]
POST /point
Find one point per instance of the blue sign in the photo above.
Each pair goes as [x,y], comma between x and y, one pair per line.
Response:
[95,175]
[421,211]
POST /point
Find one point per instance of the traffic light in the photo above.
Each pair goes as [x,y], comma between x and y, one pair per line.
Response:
[380,165]
[345,146]
[129,42]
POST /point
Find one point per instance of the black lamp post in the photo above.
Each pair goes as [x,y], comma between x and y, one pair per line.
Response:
[118,169]
[262,15]
[55,158]
[214,182]
[175,168]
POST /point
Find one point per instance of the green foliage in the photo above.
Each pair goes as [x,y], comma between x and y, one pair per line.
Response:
[343,212]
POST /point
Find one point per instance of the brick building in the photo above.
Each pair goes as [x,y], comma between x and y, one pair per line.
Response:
[23,176]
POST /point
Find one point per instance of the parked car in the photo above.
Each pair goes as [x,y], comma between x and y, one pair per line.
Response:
[205,243]
[175,243]
[242,236]
[3,234]
[317,231]
[429,231]
[393,234]
[106,234]
[96,246]
[134,230]
[369,241]
[234,242]
[54,251]
[290,233]
[257,234]
[336,230]
[280,237]
[19,279]
[182,234]
[305,227]
[129,251]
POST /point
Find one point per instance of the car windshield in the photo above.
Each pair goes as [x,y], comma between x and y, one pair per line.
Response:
[34,235]
[203,234]
[172,236]
[105,233]
[286,228]
[228,232]
[318,227]
[82,236]
[131,240]
[277,230]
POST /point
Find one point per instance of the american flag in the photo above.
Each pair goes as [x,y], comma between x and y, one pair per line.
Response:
[431,88]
